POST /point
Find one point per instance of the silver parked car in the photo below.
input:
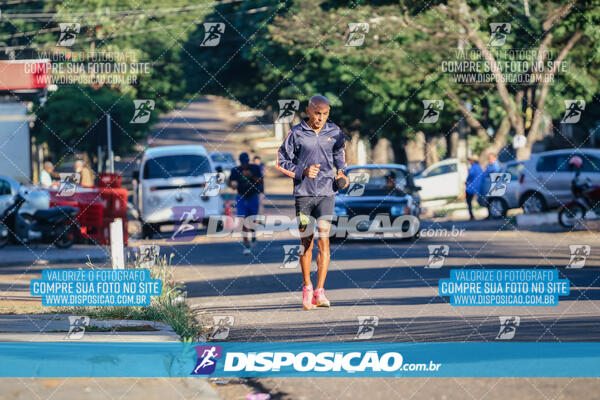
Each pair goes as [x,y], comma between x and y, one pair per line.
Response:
[545,180]
[223,162]
[502,196]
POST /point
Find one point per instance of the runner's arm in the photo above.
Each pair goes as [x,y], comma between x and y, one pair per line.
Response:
[286,156]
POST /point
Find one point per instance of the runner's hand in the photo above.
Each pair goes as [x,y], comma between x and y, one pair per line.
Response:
[340,174]
[312,171]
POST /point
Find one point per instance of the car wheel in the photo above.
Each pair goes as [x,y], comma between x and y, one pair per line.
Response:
[4,235]
[66,238]
[497,208]
[570,215]
[148,231]
[534,203]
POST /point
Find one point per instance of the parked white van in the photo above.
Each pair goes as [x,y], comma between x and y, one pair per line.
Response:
[173,181]
[444,179]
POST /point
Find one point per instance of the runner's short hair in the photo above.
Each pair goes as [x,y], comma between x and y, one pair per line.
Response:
[318,99]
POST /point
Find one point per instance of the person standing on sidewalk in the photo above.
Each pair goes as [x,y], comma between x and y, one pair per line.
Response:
[492,167]
[247,179]
[87,176]
[310,154]
[473,183]
[47,175]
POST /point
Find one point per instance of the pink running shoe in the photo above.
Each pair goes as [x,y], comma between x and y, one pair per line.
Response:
[307,298]
[319,298]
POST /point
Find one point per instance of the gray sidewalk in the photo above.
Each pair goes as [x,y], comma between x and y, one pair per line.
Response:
[54,328]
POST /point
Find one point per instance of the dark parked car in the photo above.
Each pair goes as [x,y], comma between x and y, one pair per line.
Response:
[384,190]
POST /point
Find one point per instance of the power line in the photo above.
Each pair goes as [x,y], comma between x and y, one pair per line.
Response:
[126,33]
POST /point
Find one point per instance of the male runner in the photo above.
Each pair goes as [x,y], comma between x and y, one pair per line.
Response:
[310,154]
[247,179]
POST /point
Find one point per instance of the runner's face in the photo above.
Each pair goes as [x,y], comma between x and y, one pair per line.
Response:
[317,115]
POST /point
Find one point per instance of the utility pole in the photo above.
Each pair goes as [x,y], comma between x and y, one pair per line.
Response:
[111,158]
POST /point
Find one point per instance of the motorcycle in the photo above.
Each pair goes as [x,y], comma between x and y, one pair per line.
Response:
[22,225]
[586,198]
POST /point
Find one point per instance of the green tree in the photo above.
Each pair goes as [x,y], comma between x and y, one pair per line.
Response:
[140,32]
[74,119]
[560,34]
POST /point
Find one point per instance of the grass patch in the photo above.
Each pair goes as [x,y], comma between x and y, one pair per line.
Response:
[170,307]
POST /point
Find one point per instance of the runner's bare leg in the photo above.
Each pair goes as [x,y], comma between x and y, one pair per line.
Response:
[324,255]
[306,257]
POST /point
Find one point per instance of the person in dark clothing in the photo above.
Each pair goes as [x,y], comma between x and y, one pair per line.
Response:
[248,180]
[473,183]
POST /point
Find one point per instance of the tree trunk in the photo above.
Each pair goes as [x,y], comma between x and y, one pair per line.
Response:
[431,151]
[383,152]
[499,141]
[352,148]
[452,144]
[415,149]
[523,153]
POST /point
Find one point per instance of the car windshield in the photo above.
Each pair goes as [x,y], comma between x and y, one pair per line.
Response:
[176,166]
[222,158]
[440,170]
[377,182]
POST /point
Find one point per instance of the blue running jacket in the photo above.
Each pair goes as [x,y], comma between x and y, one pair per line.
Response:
[302,148]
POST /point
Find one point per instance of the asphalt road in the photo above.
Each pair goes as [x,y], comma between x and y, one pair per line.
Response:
[387,279]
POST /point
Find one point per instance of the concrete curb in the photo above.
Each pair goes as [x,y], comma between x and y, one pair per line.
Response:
[42,262]
[590,223]
[537,219]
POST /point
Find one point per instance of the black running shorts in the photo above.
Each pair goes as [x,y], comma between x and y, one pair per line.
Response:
[313,206]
